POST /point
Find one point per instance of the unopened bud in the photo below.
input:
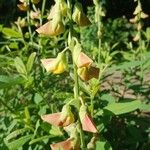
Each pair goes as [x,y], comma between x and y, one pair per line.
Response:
[79,17]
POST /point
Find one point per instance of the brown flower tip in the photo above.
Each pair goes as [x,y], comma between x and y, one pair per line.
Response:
[87,73]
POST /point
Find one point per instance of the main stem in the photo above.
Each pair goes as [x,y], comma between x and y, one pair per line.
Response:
[76,82]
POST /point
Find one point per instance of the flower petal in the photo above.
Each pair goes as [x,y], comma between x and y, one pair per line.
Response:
[64,145]
[88,124]
[53,119]
[49,64]
[83,60]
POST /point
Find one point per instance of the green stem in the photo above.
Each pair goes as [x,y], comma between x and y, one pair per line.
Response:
[76,82]
[76,96]
[92,106]
[99,40]
[141,57]
[42,11]
[29,23]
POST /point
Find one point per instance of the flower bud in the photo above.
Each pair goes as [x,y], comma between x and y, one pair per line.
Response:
[138,9]
[35,1]
[21,22]
[86,121]
[63,8]
[59,7]
[139,26]
[91,145]
[35,15]
[23,6]
[136,38]
[79,17]
[87,73]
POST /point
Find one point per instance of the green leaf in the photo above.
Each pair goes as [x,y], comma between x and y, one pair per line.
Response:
[15,134]
[103,145]
[36,128]
[1,27]
[122,107]
[37,98]
[30,61]
[16,144]
[20,66]
[55,131]
[7,81]
[41,139]
[108,97]
[11,33]
[13,45]
[145,107]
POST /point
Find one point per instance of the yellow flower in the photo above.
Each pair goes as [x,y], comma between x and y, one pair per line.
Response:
[55,65]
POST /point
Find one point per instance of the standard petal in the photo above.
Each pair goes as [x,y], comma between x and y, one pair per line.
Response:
[53,119]
[88,124]
[64,145]
[83,60]
[49,64]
